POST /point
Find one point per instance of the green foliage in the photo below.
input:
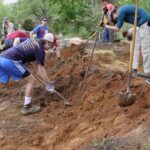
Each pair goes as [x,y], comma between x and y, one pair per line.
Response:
[28,25]
[3,11]
[76,17]
[142,3]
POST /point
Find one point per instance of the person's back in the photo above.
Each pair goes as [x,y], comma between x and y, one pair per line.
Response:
[126,13]
[27,51]
[17,34]
[9,40]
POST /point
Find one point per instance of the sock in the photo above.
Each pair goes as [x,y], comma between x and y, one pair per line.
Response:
[27,100]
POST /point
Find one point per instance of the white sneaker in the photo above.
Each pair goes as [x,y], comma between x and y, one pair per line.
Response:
[134,72]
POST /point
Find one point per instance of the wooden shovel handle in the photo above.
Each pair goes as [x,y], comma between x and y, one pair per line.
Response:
[133,40]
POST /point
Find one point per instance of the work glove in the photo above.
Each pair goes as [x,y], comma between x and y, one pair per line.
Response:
[50,87]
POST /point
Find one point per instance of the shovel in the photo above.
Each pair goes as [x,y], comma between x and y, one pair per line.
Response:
[97,31]
[127,98]
[66,103]
[90,59]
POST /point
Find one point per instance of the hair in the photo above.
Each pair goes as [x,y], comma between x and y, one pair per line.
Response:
[112,13]
[42,41]
[43,17]
[105,0]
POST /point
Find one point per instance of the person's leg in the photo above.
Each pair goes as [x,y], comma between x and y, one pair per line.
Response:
[111,36]
[145,47]
[58,55]
[28,108]
[29,85]
[105,35]
[136,50]
[29,89]
[17,71]
[145,42]
[6,44]
[4,76]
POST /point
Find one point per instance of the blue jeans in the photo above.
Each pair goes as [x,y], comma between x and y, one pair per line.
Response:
[105,37]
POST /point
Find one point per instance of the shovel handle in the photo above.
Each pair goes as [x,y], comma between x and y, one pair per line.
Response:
[133,40]
[91,56]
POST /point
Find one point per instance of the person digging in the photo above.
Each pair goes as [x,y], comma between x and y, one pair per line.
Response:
[12,66]
[126,14]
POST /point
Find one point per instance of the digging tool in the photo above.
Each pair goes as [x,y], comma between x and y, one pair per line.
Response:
[97,31]
[89,63]
[127,98]
[143,75]
[91,37]
[66,103]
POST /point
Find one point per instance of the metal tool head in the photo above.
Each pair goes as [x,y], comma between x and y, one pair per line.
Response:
[126,99]
[66,103]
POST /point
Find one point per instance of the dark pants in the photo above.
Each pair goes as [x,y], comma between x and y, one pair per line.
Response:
[8,43]
[105,35]
[108,35]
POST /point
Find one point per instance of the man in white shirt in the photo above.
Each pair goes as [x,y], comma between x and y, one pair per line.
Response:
[7,27]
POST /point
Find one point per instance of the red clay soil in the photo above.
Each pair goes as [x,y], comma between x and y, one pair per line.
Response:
[95,112]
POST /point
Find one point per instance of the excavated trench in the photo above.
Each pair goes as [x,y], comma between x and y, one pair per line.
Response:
[94,122]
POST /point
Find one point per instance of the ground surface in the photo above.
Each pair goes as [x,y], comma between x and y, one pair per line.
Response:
[94,122]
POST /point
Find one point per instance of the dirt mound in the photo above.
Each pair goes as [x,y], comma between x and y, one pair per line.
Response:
[95,113]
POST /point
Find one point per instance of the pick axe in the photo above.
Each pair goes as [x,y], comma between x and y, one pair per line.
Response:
[66,103]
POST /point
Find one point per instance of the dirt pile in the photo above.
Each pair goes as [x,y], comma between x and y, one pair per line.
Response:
[94,116]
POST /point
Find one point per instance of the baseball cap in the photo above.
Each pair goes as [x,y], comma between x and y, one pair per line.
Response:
[49,37]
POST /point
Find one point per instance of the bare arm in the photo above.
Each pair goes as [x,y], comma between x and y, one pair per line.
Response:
[31,34]
[43,74]
[16,41]
[115,28]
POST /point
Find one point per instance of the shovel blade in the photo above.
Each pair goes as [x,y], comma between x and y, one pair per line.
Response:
[126,99]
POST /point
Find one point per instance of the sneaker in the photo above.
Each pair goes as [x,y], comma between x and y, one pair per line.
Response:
[28,109]
[147,81]
[134,73]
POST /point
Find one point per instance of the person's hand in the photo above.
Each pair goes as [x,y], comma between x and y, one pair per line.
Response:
[50,86]
[124,33]
[105,10]
[102,24]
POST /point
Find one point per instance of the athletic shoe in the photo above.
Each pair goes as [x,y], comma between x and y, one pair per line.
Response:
[28,109]
[134,72]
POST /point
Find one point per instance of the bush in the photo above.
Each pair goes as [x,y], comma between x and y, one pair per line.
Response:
[28,25]
[83,32]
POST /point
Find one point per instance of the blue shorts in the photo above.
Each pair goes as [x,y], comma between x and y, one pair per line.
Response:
[14,69]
